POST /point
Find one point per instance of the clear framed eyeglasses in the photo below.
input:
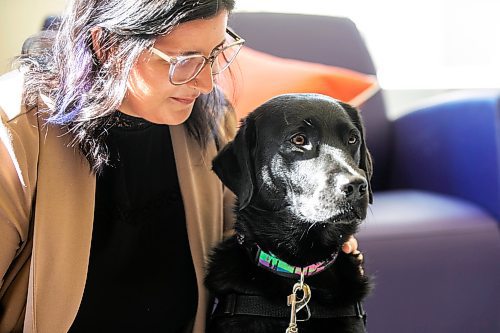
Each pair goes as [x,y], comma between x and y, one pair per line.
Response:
[185,68]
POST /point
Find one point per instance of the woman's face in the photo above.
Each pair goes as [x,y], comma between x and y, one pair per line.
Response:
[150,95]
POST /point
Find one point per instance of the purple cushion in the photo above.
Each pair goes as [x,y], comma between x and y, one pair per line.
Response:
[409,212]
[436,263]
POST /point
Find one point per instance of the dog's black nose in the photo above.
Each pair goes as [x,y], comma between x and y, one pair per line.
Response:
[356,188]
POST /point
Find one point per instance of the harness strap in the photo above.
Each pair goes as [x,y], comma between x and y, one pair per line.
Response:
[254,305]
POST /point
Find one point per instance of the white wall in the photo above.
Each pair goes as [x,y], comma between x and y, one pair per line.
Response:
[18,20]
[401,101]
[418,44]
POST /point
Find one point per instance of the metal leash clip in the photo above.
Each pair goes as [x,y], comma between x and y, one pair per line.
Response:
[298,304]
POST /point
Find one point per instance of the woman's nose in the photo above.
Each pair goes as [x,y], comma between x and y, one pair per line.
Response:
[204,82]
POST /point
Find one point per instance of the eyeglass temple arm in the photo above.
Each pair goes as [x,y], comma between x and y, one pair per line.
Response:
[233,34]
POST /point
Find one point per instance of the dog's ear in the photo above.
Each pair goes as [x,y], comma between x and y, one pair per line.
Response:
[366,164]
[365,161]
[234,163]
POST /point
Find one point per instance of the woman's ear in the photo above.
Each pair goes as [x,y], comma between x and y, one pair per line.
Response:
[96,35]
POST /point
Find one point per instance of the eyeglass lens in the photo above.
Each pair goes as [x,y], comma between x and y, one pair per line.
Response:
[187,69]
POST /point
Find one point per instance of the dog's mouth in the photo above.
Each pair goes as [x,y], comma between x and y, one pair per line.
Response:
[325,207]
[345,216]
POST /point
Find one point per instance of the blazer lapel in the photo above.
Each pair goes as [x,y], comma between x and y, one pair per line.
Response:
[62,234]
[203,197]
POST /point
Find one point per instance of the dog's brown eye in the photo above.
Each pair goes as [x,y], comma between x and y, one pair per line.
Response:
[299,140]
[353,139]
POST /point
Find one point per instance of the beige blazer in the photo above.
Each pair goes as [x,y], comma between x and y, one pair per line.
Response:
[46,185]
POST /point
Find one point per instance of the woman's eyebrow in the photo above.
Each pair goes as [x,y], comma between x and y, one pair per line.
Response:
[218,46]
[187,53]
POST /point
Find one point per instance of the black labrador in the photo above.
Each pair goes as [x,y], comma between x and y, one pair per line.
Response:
[301,172]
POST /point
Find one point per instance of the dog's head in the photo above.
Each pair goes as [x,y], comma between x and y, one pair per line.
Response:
[302,156]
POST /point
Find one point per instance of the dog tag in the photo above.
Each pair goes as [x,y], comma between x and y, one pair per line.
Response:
[298,304]
[302,303]
[292,326]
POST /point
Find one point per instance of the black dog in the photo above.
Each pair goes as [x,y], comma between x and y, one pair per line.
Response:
[300,170]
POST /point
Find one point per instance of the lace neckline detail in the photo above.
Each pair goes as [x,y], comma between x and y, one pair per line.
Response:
[124,121]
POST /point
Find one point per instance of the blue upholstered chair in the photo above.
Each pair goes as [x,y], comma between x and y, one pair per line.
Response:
[432,238]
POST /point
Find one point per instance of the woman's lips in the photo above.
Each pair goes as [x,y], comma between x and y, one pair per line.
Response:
[184,100]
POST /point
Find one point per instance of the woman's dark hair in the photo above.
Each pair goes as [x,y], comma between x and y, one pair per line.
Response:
[82,91]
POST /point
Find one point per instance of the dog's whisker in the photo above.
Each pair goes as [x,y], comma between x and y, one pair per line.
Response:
[306,232]
[370,209]
[290,189]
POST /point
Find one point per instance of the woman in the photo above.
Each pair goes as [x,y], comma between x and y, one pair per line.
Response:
[108,205]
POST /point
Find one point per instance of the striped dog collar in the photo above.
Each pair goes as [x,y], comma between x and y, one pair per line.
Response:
[270,262]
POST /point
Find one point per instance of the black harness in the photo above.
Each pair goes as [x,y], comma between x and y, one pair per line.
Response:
[255,305]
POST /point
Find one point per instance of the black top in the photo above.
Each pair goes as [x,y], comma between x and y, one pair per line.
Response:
[141,276]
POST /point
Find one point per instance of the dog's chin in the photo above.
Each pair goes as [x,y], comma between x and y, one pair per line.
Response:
[312,242]
[351,216]
[328,216]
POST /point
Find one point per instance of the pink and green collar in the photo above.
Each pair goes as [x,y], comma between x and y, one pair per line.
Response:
[270,262]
